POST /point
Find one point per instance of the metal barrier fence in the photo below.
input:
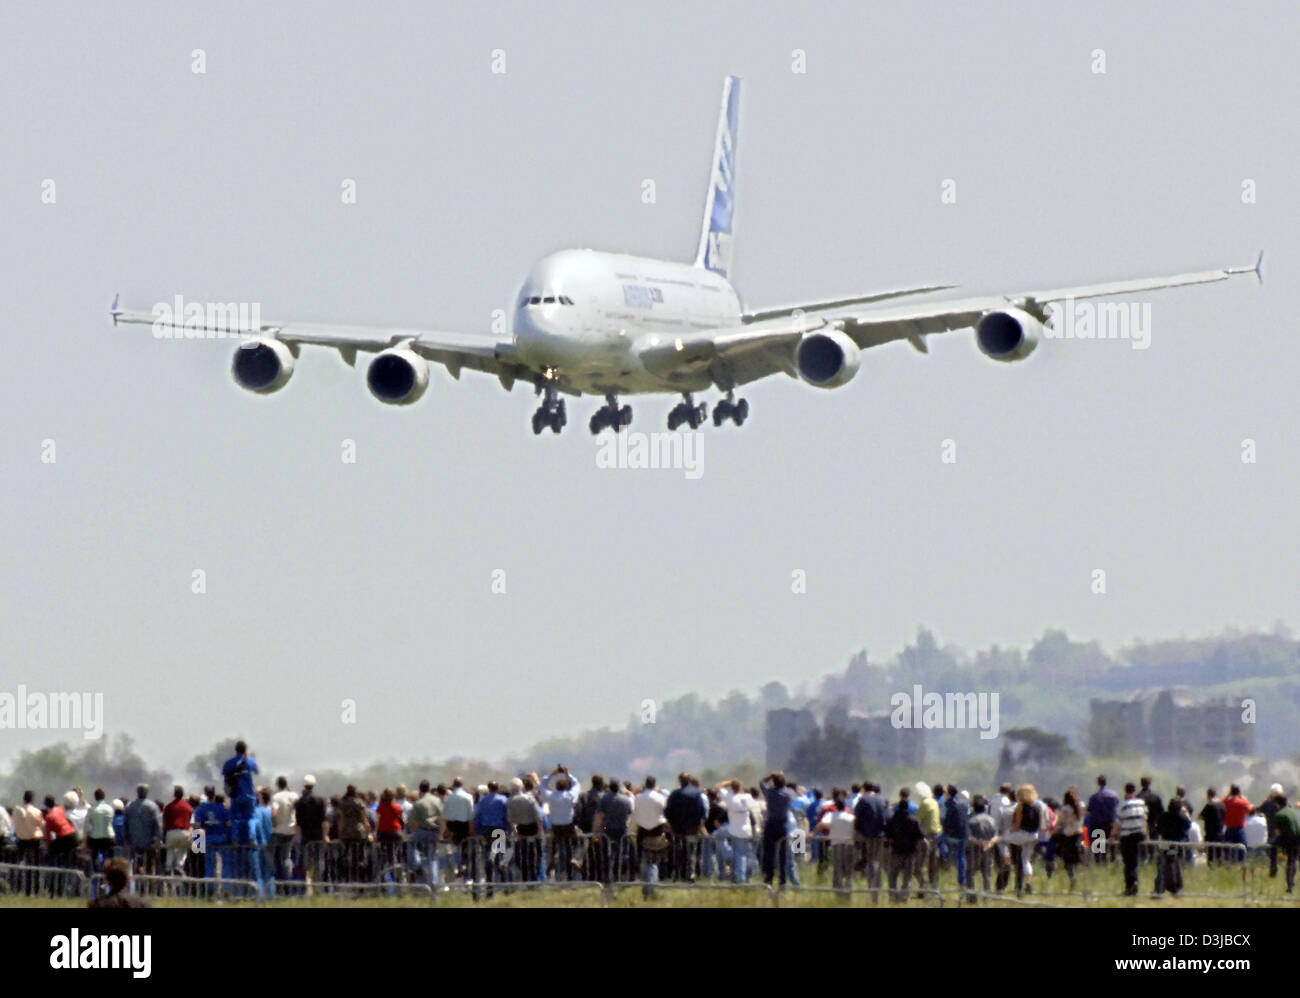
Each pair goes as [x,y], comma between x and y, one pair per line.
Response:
[495,863]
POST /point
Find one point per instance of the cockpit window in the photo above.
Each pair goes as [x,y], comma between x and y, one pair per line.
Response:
[547,300]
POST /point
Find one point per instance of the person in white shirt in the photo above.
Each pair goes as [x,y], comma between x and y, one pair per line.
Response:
[458,813]
[560,791]
[739,826]
[6,826]
[76,807]
[284,827]
[1256,831]
[837,825]
[651,831]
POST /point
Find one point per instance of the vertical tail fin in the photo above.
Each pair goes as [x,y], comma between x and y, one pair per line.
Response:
[714,251]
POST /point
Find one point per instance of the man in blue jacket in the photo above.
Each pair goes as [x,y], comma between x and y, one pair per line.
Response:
[238,773]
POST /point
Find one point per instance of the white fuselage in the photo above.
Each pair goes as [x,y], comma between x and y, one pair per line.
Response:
[586,315]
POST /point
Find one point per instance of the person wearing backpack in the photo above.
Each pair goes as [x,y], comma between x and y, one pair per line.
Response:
[1029,823]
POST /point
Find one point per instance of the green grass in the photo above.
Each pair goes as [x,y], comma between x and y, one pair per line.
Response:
[1096,887]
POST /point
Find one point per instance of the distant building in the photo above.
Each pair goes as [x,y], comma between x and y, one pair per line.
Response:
[1170,724]
[786,728]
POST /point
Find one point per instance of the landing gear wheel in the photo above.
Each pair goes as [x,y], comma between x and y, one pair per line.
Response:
[674,419]
[551,411]
[625,416]
[742,412]
[718,414]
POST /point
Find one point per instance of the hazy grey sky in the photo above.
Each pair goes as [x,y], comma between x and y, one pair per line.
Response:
[371,582]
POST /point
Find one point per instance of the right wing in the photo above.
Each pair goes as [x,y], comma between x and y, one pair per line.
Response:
[734,357]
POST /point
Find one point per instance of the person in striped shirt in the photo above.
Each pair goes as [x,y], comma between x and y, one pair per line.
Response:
[1132,822]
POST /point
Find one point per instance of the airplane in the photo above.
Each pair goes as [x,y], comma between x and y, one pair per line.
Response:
[609,324]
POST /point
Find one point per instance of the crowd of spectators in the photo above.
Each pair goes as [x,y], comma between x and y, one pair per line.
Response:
[553,827]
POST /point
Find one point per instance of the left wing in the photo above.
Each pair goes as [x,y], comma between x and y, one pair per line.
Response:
[454,351]
[735,357]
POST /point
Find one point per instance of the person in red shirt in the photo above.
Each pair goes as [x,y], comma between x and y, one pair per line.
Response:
[177,817]
[390,827]
[60,833]
[1236,809]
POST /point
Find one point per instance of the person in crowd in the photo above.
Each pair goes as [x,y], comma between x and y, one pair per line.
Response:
[212,817]
[778,799]
[524,816]
[741,827]
[1069,833]
[99,831]
[956,832]
[1213,815]
[76,807]
[1287,822]
[177,817]
[1131,827]
[117,874]
[610,826]
[390,827]
[905,837]
[686,810]
[1002,809]
[1172,827]
[144,831]
[870,815]
[1029,823]
[119,823]
[238,772]
[983,831]
[284,827]
[837,827]
[1267,810]
[353,834]
[927,814]
[1236,810]
[653,841]
[426,827]
[1154,807]
[1103,807]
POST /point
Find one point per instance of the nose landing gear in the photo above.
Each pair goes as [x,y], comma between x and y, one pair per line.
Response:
[551,411]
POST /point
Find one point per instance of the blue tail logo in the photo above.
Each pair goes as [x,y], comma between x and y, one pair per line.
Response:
[715,247]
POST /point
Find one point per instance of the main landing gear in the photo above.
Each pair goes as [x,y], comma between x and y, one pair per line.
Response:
[611,415]
[728,408]
[688,412]
[550,412]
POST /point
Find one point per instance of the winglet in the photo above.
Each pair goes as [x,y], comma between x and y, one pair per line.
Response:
[113,310]
[1257,270]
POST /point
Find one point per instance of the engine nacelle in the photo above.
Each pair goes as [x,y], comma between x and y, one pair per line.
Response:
[397,376]
[1008,334]
[262,365]
[827,358]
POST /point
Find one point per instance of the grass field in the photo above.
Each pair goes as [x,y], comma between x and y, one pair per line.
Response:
[1097,887]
